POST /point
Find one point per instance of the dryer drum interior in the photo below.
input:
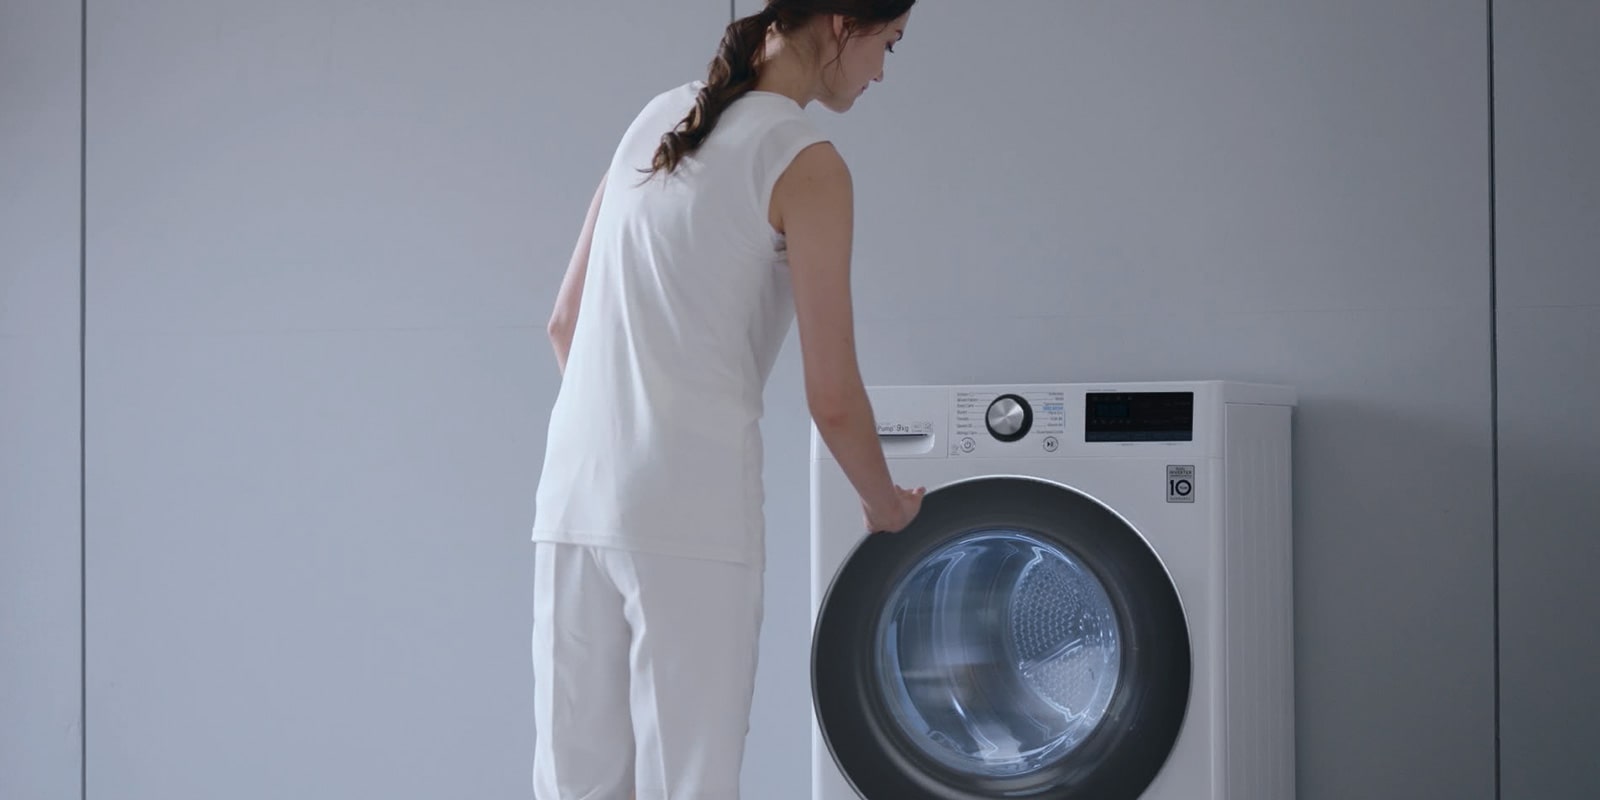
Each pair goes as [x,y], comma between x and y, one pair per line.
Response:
[1018,640]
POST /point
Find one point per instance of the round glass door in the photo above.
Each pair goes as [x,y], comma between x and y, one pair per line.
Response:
[998,653]
[1018,640]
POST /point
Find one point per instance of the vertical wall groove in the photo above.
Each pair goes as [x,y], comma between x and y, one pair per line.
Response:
[83,327]
[1494,404]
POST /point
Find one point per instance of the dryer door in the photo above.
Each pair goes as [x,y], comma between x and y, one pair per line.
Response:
[1018,640]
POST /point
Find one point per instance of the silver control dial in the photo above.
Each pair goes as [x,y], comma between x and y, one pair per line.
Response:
[1009,418]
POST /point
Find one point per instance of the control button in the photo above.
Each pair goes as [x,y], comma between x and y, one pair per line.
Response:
[1050,444]
[1009,418]
[967,444]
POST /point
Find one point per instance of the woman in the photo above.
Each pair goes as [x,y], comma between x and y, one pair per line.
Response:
[723,216]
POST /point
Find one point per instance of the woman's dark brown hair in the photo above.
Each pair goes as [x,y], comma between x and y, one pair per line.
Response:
[734,70]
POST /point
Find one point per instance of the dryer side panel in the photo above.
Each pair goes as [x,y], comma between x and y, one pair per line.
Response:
[1258,654]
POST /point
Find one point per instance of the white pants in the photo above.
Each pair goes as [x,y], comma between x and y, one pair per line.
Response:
[644,667]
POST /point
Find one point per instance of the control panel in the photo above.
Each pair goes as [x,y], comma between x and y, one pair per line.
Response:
[1042,421]
[1180,420]
[984,419]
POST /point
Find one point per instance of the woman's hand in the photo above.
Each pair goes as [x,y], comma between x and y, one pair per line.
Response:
[908,502]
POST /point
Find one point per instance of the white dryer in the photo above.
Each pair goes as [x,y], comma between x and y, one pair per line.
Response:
[1094,603]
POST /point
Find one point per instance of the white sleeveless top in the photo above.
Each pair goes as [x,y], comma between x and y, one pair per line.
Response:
[654,442]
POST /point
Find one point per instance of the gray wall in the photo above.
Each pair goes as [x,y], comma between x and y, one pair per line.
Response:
[40,123]
[1547,208]
[323,238]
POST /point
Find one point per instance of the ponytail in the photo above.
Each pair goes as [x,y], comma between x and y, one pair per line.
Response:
[732,74]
